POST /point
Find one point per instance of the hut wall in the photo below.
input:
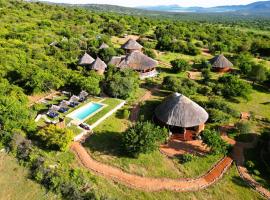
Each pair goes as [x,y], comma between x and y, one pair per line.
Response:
[226,69]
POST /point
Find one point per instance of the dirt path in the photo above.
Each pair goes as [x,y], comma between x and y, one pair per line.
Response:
[151,184]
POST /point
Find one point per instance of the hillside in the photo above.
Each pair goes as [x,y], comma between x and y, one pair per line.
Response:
[256,8]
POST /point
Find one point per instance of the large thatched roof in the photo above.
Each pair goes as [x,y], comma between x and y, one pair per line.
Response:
[221,61]
[86,59]
[138,61]
[178,110]
[98,64]
[132,45]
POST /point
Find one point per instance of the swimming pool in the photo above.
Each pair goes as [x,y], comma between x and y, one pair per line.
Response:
[86,111]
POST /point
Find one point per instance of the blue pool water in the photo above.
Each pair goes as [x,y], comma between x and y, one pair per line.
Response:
[85,111]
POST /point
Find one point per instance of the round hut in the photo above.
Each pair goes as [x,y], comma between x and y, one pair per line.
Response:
[141,63]
[221,64]
[131,46]
[99,66]
[182,116]
[86,60]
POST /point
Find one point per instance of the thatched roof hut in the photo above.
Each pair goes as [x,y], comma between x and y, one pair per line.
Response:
[138,61]
[86,59]
[178,110]
[116,60]
[98,65]
[132,45]
[104,46]
[221,62]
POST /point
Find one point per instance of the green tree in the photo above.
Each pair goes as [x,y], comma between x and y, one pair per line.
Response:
[143,137]
[56,138]
[180,65]
[213,139]
[258,73]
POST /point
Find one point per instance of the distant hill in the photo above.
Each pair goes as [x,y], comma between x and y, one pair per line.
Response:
[261,7]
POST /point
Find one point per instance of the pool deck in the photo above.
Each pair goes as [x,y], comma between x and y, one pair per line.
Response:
[85,133]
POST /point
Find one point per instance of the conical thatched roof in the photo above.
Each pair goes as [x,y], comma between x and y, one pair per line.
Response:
[138,61]
[178,110]
[86,59]
[104,46]
[132,45]
[116,60]
[221,61]
[83,94]
[98,64]
[74,98]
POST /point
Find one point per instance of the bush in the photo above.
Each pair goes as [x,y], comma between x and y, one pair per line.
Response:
[205,90]
[215,142]
[143,137]
[180,65]
[186,158]
[55,138]
[232,86]
[184,86]
[243,127]
[250,164]
[150,52]
[218,116]
[125,114]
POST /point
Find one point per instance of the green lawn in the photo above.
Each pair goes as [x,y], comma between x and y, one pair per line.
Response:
[15,184]
[111,103]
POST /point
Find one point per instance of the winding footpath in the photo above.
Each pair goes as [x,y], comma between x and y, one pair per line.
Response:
[147,183]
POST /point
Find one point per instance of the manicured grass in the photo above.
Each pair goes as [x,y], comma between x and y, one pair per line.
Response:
[111,104]
[75,129]
[15,184]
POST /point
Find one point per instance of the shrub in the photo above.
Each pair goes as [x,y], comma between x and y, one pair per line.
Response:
[243,127]
[143,137]
[215,142]
[217,116]
[186,158]
[184,85]
[150,52]
[180,65]
[250,164]
[232,86]
[125,114]
[55,138]
[205,90]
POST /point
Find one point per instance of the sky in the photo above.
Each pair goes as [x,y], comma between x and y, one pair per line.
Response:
[184,3]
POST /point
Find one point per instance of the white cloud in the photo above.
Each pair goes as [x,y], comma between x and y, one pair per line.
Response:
[204,3]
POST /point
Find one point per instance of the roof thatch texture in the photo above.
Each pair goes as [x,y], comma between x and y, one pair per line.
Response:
[83,94]
[54,108]
[86,59]
[64,104]
[104,46]
[220,61]
[74,98]
[178,110]
[132,45]
[116,60]
[138,61]
[98,65]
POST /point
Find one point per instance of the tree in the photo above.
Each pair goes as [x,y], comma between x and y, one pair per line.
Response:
[106,54]
[121,84]
[184,86]
[143,137]
[56,138]
[206,74]
[213,139]
[258,73]
[232,86]
[180,65]
[245,63]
